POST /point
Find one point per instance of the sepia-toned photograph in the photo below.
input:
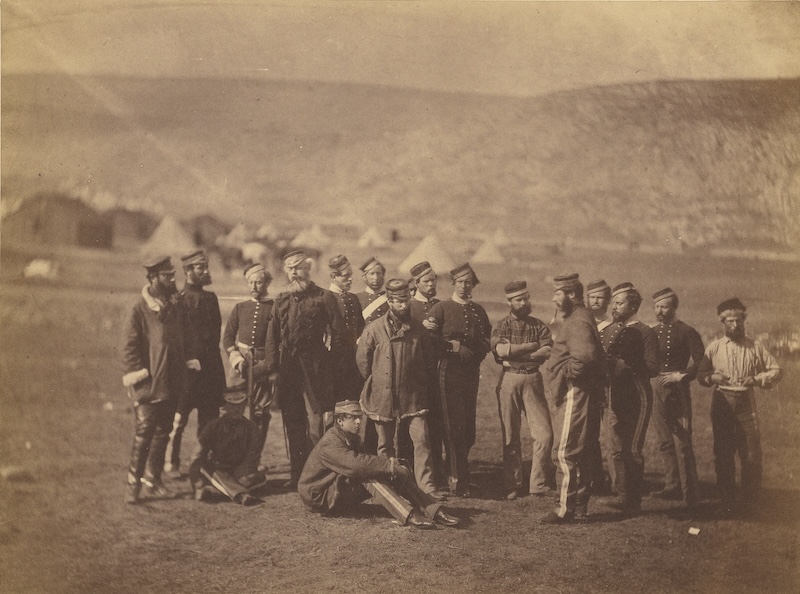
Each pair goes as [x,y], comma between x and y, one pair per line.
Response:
[399,296]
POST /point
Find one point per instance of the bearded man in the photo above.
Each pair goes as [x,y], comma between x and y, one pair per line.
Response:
[348,379]
[206,385]
[576,388]
[678,343]
[304,343]
[521,343]
[733,366]
[244,338]
[156,357]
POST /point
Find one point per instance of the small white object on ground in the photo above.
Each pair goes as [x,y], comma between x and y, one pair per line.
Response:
[694,531]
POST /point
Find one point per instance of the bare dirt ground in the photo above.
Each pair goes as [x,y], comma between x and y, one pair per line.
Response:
[65,418]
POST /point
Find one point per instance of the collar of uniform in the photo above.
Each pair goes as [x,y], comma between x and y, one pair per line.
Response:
[632,322]
[335,289]
[458,299]
[192,287]
[370,291]
[152,302]
[420,297]
[257,300]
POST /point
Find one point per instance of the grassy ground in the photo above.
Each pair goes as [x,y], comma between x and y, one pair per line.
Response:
[66,419]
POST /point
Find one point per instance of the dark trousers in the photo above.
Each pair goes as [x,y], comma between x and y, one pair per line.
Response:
[207,410]
[628,417]
[153,422]
[735,424]
[672,422]
[459,389]
[261,402]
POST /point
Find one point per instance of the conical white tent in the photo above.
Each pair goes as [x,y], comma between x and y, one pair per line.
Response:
[488,253]
[238,236]
[169,238]
[312,238]
[372,238]
[500,237]
[267,231]
[429,249]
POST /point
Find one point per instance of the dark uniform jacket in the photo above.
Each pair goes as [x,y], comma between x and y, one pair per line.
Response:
[230,443]
[347,377]
[397,359]
[422,309]
[365,299]
[468,324]
[205,323]
[300,326]
[337,454]
[247,329]
[679,342]
[156,341]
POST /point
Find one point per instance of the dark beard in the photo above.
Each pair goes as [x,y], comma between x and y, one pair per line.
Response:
[522,311]
[297,286]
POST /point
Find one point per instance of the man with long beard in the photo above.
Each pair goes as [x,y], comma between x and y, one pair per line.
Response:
[733,366]
[463,331]
[244,339]
[576,381]
[521,343]
[348,379]
[206,385]
[156,358]
[304,342]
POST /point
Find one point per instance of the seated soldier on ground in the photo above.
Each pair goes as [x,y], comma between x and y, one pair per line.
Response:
[337,476]
[228,452]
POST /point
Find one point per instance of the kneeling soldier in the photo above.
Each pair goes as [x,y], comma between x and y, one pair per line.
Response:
[337,476]
[226,460]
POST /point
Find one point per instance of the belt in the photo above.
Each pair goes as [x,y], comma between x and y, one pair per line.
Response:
[521,371]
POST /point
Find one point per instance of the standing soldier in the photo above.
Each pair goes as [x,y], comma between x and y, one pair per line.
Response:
[422,302]
[373,297]
[305,324]
[155,359]
[630,401]
[672,398]
[521,343]
[463,329]
[244,339]
[395,357]
[577,380]
[598,297]
[206,385]
[347,377]
[733,365]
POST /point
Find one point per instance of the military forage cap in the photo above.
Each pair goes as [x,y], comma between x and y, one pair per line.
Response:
[347,407]
[397,288]
[515,289]
[464,270]
[256,269]
[420,270]
[294,258]
[598,286]
[236,390]
[159,264]
[663,294]
[371,263]
[196,257]
[338,263]
[730,305]
[623,288]
[566,282]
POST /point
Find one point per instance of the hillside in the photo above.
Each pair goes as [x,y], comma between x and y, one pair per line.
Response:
[705,163]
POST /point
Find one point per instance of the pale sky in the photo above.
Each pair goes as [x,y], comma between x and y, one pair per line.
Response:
[509,48]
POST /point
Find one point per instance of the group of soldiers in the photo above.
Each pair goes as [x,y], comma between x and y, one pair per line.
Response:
[378,389]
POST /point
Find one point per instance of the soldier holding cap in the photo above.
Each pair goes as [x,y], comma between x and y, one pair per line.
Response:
[244,340]
[156,354]
[395,357]
[521,343]
[576,387]
[207,383]
[373,297]
[304,342]
[733,365]
[463,330]
[228,452]
[348,379]
[672,399]
[630,399]
[339,475]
